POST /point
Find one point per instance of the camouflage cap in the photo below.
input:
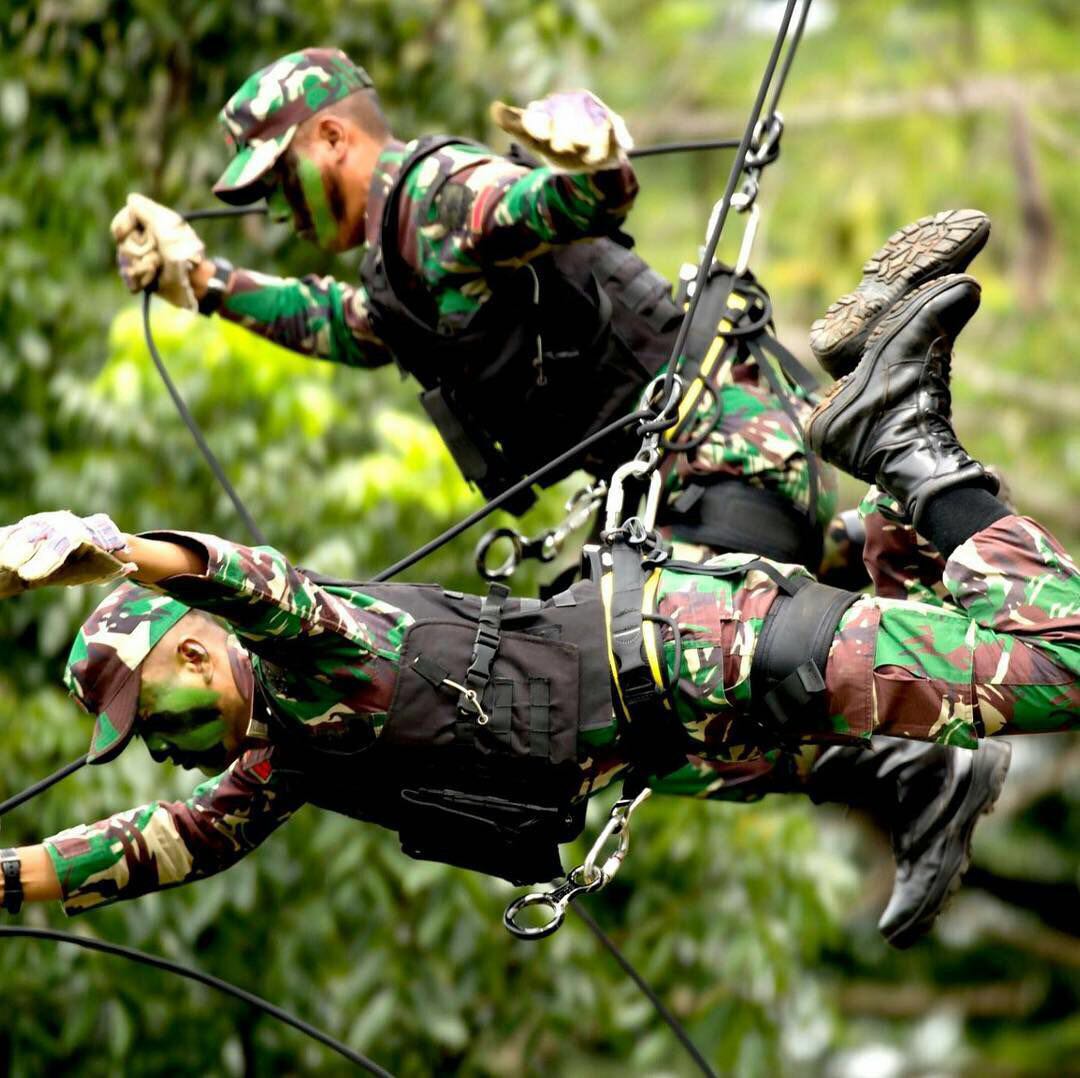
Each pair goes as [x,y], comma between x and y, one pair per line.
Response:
[261,118]
[104,668]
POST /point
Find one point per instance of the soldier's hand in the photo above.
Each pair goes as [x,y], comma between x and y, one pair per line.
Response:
[60,548]
[575,131]
[155,244]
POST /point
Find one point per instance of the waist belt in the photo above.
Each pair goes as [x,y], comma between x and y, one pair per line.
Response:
[729,515]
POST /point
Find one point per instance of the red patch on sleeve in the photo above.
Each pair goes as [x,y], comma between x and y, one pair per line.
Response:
[482,206]
[262,770]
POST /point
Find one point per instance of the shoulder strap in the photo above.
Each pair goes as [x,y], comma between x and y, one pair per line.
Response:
[384,269]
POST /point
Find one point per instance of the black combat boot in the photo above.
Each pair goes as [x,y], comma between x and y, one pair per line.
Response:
[889,421]
[916,253]
[929,799]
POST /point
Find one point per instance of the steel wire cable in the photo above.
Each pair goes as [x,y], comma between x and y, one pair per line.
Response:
[42,785]
[207,979]
[737,168]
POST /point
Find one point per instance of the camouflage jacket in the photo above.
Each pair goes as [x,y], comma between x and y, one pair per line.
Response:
[489,212]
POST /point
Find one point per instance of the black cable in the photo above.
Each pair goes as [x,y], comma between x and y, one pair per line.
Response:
[196,432]
[725,205]
[684,147]
[789,58]
[500,499]
[42,784]
[650,995]
[193,974]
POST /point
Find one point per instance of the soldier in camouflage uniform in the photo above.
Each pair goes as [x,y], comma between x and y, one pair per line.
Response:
[1005,658]
[464,210]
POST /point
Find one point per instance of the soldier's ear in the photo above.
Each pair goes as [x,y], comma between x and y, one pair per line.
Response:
[331,131]
[196,657]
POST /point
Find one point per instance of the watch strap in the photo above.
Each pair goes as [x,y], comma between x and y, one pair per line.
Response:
[11,867]
[216,287]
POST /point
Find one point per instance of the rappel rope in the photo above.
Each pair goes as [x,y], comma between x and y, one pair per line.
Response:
[757,148]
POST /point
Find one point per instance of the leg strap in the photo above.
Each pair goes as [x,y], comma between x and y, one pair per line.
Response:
[787,677]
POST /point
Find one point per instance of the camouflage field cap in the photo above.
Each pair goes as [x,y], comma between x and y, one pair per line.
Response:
[104,668]
[261,118]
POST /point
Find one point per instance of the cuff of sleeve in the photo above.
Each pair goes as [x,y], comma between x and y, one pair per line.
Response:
[74,900]
[216,551]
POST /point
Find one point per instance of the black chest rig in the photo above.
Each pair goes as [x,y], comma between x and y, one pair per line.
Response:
[564,345]
[478,763]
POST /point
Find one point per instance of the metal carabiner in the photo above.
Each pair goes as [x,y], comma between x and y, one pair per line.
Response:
[583,880]
[616,495]
[618,824]
[740,201]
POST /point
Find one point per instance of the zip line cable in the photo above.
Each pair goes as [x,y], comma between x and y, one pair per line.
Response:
[208,979]
[196,431]
[737,168]
[42,785]
[655,419]
[658,1004]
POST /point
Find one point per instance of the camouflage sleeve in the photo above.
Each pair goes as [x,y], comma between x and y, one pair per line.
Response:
[498,213]
[900,562]
[316,316]
[280,613]
[167,843]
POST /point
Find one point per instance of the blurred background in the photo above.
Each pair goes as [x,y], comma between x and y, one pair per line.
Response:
[755,922]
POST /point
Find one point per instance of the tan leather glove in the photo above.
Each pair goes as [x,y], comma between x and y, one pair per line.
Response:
[154,243]
[60,548]
[574,130]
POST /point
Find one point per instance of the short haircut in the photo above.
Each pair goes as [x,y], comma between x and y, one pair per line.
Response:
[363,108]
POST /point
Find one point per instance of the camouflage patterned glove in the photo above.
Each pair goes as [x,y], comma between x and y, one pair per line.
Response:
[60,549]
[154,243]
[575,131]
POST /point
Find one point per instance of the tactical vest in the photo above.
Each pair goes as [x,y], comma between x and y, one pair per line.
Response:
[492,781]
[605,321]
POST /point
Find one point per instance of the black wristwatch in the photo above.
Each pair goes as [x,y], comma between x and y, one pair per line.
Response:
[11,867]
[216,286]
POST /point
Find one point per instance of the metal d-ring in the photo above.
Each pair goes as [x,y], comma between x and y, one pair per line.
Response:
[505,570]
[554,901]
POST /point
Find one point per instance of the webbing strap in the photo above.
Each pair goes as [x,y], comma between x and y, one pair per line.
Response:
[787,676]
[486,645]
[784,398]
[539,716]
[656,741]
[705,344]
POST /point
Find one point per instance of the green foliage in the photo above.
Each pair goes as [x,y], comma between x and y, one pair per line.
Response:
[729,910]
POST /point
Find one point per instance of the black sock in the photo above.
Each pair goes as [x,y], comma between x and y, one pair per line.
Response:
[956,514]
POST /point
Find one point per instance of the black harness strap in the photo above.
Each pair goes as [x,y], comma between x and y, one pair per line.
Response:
[656,740]
[727,514]
[486,646]
[787,675]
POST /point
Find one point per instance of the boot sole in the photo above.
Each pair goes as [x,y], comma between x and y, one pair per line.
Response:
[851,385]
[984,789]
[930,247]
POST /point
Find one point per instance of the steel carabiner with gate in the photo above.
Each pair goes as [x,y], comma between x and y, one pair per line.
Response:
[583,880]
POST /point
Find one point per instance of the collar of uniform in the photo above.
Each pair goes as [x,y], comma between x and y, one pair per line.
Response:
[387,167]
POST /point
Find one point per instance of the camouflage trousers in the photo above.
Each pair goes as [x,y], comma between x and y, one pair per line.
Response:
[1005,659]
[758,443]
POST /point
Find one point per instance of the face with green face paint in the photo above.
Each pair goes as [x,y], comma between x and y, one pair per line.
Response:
[303,196]
[321,182]
[193,708]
